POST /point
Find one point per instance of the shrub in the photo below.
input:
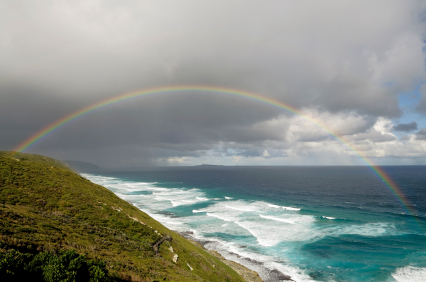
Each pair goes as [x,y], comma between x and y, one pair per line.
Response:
[67,266]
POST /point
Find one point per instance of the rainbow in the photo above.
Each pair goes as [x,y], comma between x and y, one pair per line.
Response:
[51,128]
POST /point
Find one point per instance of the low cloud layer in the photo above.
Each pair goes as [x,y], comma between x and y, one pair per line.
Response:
[342,64]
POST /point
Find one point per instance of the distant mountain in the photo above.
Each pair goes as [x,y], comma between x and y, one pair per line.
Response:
[83,166]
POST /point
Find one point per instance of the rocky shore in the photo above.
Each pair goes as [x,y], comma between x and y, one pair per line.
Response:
[248,274]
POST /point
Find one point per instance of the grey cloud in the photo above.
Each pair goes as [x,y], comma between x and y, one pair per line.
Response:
[405,127]
[382,138]
[181,119]
[421,106]
[348,92]
[312,137]
[421,134]
[60,56]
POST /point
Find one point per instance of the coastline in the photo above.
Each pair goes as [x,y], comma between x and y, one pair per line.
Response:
[251,270]
[248,274]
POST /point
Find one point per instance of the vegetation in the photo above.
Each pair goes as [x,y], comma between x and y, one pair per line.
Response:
[53,220]
[47,266]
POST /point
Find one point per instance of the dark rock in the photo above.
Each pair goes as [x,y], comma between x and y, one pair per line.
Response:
[253,261]
[276,275]
[186,234]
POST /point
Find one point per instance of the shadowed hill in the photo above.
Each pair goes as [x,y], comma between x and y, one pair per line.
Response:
[83,166]
[46,207]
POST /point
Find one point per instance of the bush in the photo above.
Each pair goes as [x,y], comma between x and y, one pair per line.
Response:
[67,266]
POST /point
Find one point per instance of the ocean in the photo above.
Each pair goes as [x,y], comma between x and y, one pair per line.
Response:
[311,223]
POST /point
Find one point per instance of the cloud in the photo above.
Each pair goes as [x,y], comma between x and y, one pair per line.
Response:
[405,127]
[421,134]
[343,64]
[421,106]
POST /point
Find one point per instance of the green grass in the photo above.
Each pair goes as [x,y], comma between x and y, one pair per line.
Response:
[47,208]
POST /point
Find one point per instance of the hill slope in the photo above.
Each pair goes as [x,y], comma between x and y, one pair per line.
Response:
[45,206]
[83,166]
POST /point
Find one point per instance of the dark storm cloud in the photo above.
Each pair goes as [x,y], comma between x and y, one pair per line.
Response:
[405,127]
[182,120]
[60,56]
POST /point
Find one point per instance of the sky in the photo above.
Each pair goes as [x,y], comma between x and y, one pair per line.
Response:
[357,67]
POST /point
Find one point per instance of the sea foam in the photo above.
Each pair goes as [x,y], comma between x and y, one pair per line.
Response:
[260,235]
[291,209]
[410,274]
[277,219]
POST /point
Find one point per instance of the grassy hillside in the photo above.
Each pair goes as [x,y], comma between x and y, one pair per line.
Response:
[46,208]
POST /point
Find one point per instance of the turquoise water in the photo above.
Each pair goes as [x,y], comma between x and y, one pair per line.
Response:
[312,223]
